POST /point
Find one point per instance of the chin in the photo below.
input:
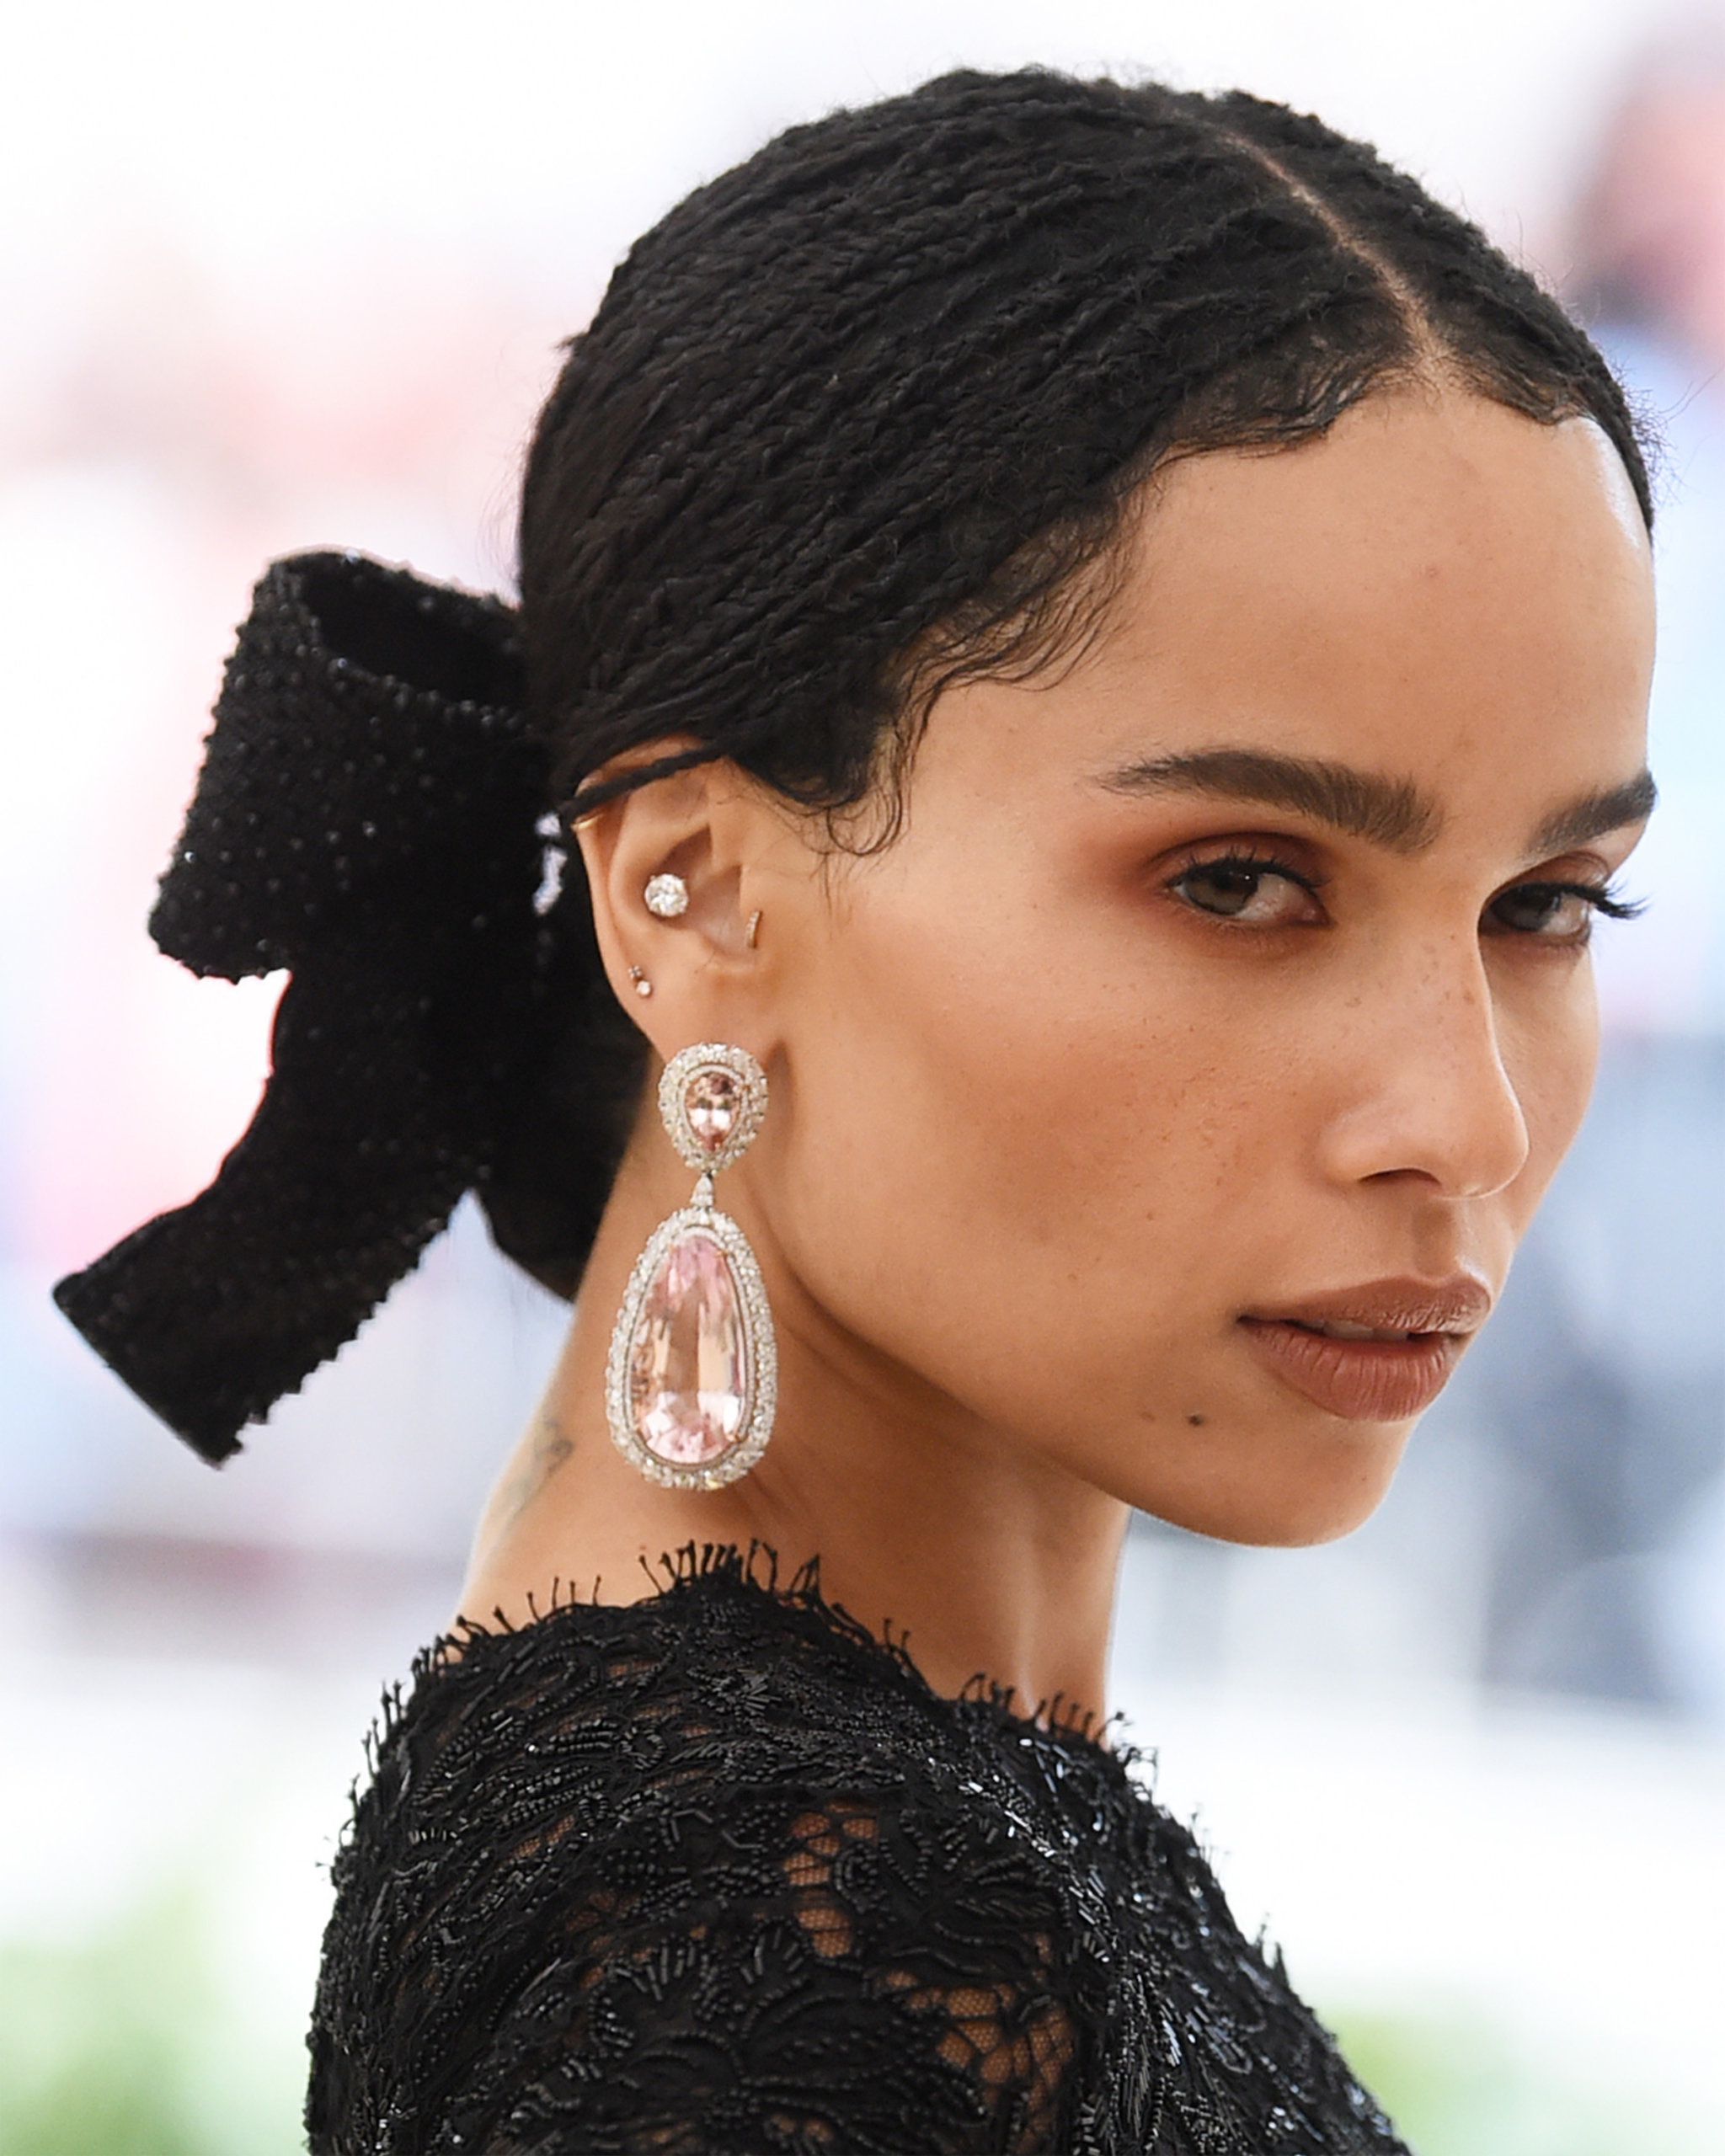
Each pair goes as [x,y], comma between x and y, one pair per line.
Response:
[1283,1494]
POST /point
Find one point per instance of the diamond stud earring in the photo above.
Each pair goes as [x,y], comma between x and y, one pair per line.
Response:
[666,895]
[643,985]
[691,1380]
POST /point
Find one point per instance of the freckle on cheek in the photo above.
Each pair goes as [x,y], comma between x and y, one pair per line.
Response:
[1196,1421]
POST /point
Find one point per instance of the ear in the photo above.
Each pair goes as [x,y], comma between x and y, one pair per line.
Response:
[713,972]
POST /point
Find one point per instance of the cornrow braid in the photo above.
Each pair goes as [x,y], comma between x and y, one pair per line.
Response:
[828,399]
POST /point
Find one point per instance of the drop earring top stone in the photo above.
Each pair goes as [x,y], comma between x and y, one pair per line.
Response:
[692,1379]
[710,1099]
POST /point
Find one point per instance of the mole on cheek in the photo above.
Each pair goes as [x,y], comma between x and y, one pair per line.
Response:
[1196,1421]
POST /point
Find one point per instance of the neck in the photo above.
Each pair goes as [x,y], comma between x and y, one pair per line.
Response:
[987,1560]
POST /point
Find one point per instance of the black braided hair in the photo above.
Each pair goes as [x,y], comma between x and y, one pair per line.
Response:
[861,418]
[829,402]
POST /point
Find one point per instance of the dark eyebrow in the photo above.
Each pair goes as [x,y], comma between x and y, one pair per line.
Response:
[1389,812]
[1596,813]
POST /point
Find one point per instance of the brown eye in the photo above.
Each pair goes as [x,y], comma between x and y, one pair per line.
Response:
[1261,893]
[1556,913]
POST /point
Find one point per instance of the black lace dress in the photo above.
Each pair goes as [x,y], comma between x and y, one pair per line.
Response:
[717,1874]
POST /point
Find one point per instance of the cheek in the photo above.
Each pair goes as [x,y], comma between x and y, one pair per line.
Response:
[1549,1045]
[993,1150]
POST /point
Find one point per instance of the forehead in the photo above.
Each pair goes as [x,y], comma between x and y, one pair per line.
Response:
[1439,581]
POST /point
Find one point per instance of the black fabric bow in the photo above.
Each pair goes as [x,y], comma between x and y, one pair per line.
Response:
[365,818]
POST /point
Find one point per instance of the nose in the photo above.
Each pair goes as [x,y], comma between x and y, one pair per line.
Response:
[1427,1092]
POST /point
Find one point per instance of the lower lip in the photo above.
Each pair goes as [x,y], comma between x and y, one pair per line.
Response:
[1360,1381]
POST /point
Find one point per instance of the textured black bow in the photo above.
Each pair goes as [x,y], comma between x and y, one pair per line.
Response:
[365,818]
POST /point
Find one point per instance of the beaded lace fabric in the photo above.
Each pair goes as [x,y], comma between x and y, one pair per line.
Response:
[717,1874]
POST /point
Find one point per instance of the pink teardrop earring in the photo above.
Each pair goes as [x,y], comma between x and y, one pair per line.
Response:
[692,1377]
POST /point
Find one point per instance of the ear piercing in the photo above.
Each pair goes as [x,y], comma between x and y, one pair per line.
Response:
[667,896]
[643,985]
[692,1379]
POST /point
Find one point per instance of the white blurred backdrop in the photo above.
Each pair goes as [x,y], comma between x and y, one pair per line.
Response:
[282,278]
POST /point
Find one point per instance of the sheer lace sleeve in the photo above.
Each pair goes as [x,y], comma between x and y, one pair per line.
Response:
[693,1918]
[847,1981]
[717,1874]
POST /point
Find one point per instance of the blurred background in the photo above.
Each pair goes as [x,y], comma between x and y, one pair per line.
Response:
[282,278]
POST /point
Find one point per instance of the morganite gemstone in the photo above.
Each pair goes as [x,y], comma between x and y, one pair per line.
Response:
[710,1099]
[689,1360]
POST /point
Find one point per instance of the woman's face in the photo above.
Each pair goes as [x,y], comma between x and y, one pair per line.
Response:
[1226,997]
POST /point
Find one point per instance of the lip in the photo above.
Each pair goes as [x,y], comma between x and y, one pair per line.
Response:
[1371,1380]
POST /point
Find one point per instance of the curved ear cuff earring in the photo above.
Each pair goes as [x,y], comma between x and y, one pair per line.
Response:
[691,1380]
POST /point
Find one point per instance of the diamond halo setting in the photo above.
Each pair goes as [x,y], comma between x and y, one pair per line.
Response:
[692,1379]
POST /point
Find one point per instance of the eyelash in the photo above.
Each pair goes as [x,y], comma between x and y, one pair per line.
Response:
[1261,864]
[1602,898]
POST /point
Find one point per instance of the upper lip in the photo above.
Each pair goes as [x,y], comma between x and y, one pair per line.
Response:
[1459,1304]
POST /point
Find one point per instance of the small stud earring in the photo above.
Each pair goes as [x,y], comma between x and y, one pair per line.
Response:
[753,929]
[643,985]
[667,896]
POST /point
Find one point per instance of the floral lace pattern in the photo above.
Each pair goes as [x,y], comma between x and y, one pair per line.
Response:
[717,1874]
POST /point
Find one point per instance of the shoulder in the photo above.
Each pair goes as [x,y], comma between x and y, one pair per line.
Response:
[703,1855]
[722,1673]
[721,1676]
